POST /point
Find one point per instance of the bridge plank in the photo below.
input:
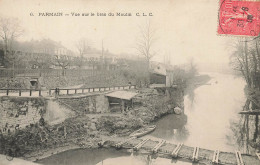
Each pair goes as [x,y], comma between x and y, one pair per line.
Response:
[258,155]
[139,145]
[239,158]
[186,152]
[216,160]
[176,150]
[155,149]
[119,145]
[215,157]
[195,154]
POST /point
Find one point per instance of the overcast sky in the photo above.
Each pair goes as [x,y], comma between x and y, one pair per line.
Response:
[185,28]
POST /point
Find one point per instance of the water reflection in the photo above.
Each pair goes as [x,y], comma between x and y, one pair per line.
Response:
[245,134]
[83,156]
[171,128]
[208,110]
[206,123]
[190,94]
[141,160]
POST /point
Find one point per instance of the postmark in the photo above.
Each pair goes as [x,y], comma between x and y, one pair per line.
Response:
[239,18]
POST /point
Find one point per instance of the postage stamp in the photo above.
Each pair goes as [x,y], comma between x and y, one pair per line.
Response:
[240,18]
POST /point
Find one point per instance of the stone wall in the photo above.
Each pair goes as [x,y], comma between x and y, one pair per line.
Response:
[15,83]
[87,104]
[56,112]
[20,110]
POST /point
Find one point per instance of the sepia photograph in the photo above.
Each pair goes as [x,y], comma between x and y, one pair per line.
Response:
[129,82]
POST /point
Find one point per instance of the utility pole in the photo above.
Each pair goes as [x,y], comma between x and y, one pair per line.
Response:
[103,59]
[102,49]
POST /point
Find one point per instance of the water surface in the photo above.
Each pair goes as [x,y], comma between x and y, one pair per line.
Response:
[206,123]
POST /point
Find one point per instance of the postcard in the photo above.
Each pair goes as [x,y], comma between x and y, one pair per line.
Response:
[131,82]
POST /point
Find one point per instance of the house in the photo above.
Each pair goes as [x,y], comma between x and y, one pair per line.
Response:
[120,100]
[161,75]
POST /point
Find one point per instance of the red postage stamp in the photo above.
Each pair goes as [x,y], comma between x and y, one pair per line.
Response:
[239,17]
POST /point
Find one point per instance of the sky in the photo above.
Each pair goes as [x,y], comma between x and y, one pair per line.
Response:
[185,29]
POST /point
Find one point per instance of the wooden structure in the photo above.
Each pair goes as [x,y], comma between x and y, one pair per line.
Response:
[215,157]
[251,112]
[121,98]
[59,91]
[7,92]
[172,151]
[69,91]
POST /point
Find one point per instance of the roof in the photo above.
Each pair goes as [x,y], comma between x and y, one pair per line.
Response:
[157,85]
[167,67]
[162,86]
[125,95]
[156,72]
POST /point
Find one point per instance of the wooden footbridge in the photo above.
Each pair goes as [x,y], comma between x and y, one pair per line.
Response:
[180,151]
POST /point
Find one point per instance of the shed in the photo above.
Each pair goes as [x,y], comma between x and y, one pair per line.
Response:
[121,99]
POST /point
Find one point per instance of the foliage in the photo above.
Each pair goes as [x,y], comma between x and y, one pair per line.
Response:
[10,30]
[246,59]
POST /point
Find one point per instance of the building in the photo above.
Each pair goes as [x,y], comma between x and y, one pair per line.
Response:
[120,100]
[161,75]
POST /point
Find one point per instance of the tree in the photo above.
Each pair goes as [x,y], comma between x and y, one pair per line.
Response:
[42,61]
[192,69]
[62,61]
[92,61]
[82,45]
[10,30]
[146,41]
[145,44]
[246,60]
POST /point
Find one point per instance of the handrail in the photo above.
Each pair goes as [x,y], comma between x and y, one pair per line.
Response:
[18,89]
[94,87]
[22,90]
[58,90]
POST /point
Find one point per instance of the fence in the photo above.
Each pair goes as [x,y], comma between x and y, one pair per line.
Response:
[64,91]
[57,91]
[22,92]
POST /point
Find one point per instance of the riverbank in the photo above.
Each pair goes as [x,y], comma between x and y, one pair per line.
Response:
[208,102]
[116,131]
[202,80]
[85,131]
[196,82]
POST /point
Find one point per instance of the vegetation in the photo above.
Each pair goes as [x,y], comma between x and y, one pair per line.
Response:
[246,60]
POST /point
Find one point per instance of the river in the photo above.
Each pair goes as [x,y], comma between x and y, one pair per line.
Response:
[209,109]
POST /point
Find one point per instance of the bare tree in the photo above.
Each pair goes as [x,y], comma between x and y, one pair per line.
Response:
[82,45]
[145,44]
[146,41]
[42,60]
[62,61]
[246,59]
[192,68]
[10,30]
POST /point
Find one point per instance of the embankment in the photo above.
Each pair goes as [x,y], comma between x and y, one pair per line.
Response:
[84,130]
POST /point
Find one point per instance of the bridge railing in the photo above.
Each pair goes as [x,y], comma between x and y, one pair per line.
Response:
[23,92]
[58,91]
[68,91]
